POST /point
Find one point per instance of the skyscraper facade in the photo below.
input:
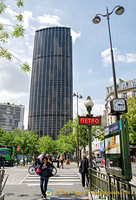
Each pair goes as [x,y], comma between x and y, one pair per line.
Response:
[51,104]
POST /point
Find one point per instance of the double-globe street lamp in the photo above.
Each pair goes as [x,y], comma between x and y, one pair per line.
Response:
[119,10]
[80,97]
[89,104]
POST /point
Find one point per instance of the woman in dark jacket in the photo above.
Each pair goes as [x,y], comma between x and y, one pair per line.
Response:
[44,177]
[83,169]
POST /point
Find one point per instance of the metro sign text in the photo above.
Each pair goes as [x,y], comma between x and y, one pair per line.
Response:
[90,120]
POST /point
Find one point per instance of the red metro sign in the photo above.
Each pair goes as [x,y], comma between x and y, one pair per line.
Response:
[90,120]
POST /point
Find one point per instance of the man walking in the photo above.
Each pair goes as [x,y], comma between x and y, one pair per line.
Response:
[83,169]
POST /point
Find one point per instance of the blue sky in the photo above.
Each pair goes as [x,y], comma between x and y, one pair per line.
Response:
[92,71]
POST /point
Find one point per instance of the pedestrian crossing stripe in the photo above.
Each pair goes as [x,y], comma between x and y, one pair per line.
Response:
[61,178]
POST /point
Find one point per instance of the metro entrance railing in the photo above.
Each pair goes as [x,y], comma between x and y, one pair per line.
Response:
[110,187]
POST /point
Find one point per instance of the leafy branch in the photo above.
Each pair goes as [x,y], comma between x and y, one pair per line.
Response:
[18,31]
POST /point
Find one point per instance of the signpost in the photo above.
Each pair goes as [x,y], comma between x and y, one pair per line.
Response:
[89,120]
[117,150]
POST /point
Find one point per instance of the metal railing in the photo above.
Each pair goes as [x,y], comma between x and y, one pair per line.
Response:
[110,187]
[1,179]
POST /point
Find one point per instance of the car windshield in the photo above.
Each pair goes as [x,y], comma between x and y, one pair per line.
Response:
[4,152]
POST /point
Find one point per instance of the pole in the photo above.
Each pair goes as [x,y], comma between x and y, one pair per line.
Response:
[77,135]
[112,58]
[90,155]
[112,61]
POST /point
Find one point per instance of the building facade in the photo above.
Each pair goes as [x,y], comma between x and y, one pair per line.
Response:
[11,116]
[125,89]
[51,104]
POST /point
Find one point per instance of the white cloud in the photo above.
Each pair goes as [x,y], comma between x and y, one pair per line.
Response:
[10,11]
[27,16]
[75,35]
[49,19]
[118,57]
[96,110]
[12,97]
[90,70]
[5,21]
[12,80]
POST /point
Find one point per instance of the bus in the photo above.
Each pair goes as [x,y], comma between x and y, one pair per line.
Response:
[9,153]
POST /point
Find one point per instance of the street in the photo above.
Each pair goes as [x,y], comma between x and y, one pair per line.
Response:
[66,184]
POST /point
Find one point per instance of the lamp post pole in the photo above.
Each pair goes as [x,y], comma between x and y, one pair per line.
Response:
[77,96]
[90,155]
[119,10]
[77,135]
[112,57]
[89,104]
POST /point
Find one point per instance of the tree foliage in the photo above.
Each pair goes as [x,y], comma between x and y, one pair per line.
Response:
[16,32]
[67,139]
[66,143]
[46,145]
[131,117]
[26,140]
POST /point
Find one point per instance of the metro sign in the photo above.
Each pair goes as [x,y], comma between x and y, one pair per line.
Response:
[90,120]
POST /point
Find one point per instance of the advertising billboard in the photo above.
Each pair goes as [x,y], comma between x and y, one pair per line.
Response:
[113,154]
[112,145]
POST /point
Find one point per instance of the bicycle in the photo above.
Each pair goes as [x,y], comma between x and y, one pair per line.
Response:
[32,170]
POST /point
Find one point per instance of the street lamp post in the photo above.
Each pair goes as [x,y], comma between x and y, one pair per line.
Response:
[119,10]
[89,104]
[80,97]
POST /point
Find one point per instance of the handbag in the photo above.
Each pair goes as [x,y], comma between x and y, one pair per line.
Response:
[38,171]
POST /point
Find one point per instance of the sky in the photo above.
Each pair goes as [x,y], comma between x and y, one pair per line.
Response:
[92,70]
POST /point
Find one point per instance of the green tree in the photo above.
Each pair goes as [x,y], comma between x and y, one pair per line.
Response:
[66,143]
[131,117]
[67,139]
[8,138]
[46,145]
[67,128]
[17,32]
[32,143]
[1,133]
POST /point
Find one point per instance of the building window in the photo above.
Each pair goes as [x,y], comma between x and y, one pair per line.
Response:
[125,95]
[134,83]
[134,93]
[124,86]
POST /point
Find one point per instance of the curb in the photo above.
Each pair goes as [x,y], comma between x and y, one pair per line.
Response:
[78,174]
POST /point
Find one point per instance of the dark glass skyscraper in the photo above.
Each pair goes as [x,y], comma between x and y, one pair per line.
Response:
[51,104]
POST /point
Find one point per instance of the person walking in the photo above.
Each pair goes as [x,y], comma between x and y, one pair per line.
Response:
[44,176]
[61,161]
[83,169]
[2,160]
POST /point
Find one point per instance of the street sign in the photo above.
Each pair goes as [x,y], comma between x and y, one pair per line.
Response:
[112,128]
[90,120]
